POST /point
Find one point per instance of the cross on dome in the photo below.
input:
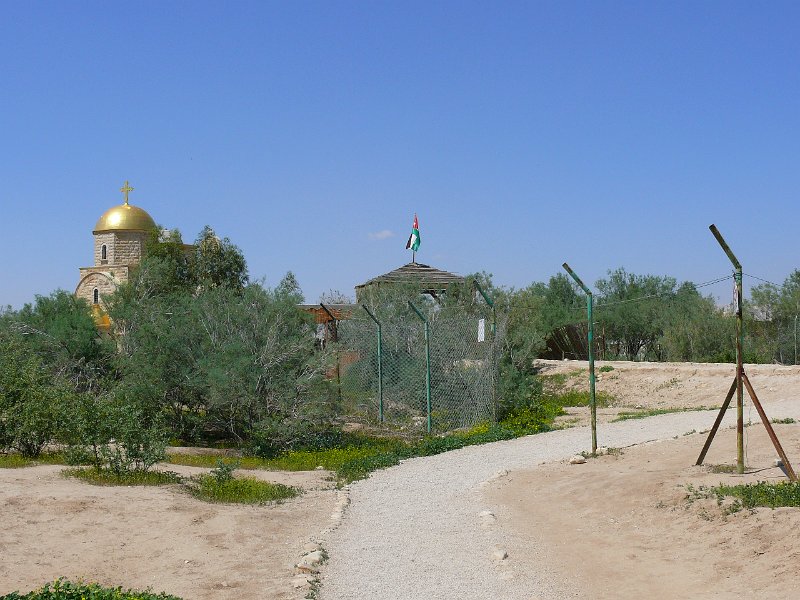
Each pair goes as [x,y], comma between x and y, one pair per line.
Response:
[125,189]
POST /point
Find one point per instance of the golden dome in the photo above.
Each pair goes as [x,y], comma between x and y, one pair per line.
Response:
[125,217]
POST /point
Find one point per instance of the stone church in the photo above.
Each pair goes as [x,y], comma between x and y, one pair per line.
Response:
[119,238]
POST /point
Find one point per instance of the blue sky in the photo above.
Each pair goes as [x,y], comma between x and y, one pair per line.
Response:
[525,134]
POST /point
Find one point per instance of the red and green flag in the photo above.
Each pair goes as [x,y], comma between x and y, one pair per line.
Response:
[413,239]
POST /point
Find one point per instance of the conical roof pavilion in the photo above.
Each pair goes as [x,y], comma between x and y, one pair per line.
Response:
[429,279]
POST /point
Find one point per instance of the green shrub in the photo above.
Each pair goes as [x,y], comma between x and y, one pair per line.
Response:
[654,412]
[138,445]
[606,368]
[16,461]
[272,437]
[516,389]
[223,472]
[361,467]
[579,398]
[110,477]
[245,490]
[436,445]
[773,495]
[210,461]
[532,419]
[66,590]
[115,433]
[331,459]
[31,399]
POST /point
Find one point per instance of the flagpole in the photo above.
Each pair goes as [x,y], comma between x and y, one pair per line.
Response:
[413,256]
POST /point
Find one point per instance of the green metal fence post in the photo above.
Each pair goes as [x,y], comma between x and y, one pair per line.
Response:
[427,362]
[335,337]
[380,363]
[592,402]
[490,302]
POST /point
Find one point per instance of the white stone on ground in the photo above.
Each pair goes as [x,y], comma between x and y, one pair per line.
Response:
[499,554]
[310,562]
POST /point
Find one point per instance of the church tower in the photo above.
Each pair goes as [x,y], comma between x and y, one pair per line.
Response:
[119,238]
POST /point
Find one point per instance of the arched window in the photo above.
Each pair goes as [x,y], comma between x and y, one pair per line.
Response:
[103,253]
[96,296]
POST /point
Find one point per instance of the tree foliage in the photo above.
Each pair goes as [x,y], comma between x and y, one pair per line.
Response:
[199,352]
[696,329]
[60,329]
[32,402]
[213,353]
[631,309]
[773,314]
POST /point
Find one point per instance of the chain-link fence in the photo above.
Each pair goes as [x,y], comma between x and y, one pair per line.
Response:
[389,369]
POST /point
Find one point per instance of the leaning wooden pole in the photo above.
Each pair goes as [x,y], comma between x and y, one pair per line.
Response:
[717,423]
[737,276]
[770,431]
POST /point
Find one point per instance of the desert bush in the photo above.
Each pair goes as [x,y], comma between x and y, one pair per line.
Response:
[762,493]
[60,329]
[217,487]
[517,389]
[115,433]
[531,419]
[31,401]
[63,589]
[223,472]
[109,477]
[218,358]
[331,459]
[362,465]
[15,460]
[272,437]
[138,442]
[578,398]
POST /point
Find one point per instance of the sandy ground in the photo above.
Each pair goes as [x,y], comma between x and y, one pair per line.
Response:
[616,527]
[162,538]
[644,385]
[621,527]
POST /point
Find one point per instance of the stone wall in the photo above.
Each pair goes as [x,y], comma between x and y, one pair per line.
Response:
[99,240]
[122,247]
[106,281]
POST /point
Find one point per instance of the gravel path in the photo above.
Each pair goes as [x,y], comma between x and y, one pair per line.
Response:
[414,531]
